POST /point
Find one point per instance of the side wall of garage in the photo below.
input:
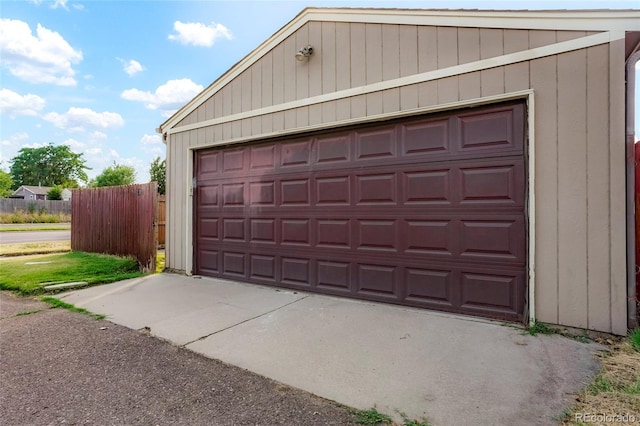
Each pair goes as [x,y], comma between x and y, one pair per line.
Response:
[577,116]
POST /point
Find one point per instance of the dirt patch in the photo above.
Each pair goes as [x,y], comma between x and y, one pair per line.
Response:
[614,396]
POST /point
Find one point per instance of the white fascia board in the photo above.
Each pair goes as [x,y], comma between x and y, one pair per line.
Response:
[618,21]
[560,20]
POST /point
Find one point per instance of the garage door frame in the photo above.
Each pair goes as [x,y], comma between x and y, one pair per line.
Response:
[526,95]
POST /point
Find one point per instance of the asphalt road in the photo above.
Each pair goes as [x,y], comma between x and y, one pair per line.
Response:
[34,236]
[59,367]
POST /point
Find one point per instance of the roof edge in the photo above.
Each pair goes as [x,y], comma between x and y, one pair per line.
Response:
[576,20]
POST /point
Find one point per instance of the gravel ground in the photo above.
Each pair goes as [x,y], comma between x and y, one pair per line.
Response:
[58,367]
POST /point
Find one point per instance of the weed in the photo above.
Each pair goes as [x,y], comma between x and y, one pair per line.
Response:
[582,338]
[634,339]
[633,389]
[32,215]
[406,421]
[57,303]
[540,328]
[19,314]
[600,384]
[371,417]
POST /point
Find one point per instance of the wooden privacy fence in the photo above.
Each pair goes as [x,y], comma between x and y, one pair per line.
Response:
[119,220]
[10,205]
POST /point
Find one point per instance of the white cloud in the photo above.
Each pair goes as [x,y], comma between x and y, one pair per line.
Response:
[151,140]
[131,67]
[168,97]
[15,139]
[197,34]
[74,144]
[59,3]
[78,119]
[13,104]
[97,136]
[45,58]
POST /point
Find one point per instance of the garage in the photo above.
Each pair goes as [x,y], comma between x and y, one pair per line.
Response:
[476,162]
[426,211]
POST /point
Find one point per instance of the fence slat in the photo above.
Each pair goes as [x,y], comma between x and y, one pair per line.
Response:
[119,220]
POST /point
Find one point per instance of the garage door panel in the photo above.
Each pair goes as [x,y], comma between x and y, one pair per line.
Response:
[233,160]
[233,264]
[496,293]
[262,267]
[427,187]
[376,188]
[295,192]
[296,232]
[332,151]
[333,191]
[334,233]
[498,130]
[379,235]
[233,195]
[492,239]
[296,271]
[263,158]
[263,231]
[334,275]
[262,194]
[491,184]
[378,280]
[295,154]
[430,237]
[233,230]
[429,286]
[425,138]
[376,144]
[209,259]
[427,212]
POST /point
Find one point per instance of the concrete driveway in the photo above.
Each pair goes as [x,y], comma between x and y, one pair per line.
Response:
[449,369]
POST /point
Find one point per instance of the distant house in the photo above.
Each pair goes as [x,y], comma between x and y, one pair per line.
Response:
[32,192]
[66,194]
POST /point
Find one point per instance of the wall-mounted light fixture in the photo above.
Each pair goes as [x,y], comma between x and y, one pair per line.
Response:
[304,53]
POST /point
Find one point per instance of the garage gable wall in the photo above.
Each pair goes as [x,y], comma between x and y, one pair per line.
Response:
[351,55]
[577,120]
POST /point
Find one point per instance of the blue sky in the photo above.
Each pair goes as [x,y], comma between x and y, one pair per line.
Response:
[101,76]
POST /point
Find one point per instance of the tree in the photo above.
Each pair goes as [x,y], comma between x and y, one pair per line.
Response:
[158,172]
[55,193]
[5,184]
[116,175]
[48,166]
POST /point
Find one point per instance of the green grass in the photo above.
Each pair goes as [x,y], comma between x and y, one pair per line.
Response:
[634,339]
[371,417]
[57,303]
[600,384]
[36,228]
[540,328]
[17,275]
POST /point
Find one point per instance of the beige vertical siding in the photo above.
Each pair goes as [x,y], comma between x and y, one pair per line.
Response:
[579,143]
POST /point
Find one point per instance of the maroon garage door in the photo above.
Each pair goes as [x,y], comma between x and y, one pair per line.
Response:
[425,212]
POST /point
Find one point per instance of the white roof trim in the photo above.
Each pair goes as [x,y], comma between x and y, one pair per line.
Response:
[615,21]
